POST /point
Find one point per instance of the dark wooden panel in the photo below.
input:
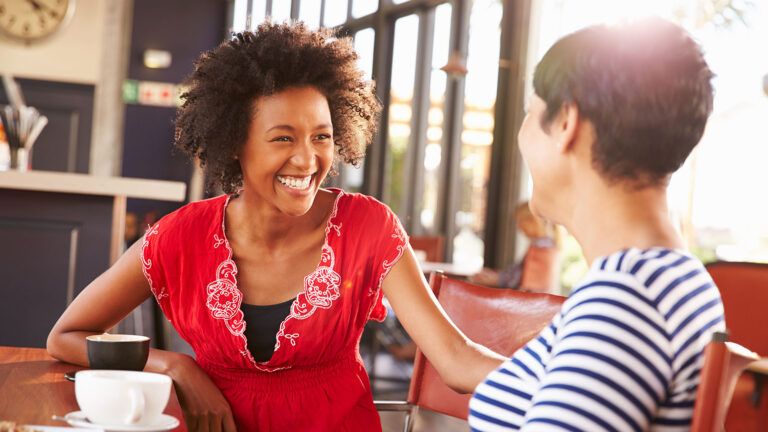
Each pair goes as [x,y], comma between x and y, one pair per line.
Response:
[65,143]
[38,233]
[37,273]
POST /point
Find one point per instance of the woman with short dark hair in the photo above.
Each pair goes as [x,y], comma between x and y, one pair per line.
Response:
[616,111]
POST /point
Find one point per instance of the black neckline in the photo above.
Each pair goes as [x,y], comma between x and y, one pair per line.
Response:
[271,306]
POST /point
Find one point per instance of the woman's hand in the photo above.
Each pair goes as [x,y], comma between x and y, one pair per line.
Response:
[205,408]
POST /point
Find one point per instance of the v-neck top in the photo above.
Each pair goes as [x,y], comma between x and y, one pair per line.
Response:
[315,379]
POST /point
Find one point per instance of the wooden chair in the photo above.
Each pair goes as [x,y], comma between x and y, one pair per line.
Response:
[723,364]
[501,319]
[432,246]
[744,290]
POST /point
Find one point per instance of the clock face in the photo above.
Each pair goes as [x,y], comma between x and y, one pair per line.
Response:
[33,19]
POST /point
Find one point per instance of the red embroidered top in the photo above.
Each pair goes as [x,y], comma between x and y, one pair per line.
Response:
[315,380]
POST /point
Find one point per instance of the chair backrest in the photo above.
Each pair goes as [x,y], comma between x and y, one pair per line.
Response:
[432,246]
[744,289]
[723,364]
[501,319]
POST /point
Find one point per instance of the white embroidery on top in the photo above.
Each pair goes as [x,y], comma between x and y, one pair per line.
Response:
[321,289]
[146,265]
[224,298]
[398,234]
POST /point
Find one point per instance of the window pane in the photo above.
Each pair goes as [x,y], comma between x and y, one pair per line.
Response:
[434,141]
[364,7]
[352,177]
[281,10]
[718,221]
[335,12]
[239,16]
[401,97]
[258,13]
[477,134]
[309,12]
[364,40]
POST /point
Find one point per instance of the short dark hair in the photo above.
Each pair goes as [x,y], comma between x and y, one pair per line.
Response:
[213,122]
[644,85]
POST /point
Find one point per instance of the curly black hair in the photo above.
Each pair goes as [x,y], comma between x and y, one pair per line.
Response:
[213,122]
[646,88]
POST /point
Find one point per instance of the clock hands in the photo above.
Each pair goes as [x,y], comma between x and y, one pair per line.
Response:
[39,7]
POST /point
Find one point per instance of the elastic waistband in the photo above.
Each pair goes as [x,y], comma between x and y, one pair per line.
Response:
[291,379]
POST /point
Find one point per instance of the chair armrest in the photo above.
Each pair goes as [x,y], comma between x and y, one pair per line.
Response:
[393,405]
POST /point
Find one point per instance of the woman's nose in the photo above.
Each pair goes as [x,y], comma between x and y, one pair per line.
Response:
[305,156]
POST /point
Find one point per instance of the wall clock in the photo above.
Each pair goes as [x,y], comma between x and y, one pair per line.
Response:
[34,20]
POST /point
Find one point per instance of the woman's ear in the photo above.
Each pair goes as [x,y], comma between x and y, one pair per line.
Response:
[566,126]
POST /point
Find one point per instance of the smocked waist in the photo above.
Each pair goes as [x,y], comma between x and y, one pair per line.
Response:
[290,379]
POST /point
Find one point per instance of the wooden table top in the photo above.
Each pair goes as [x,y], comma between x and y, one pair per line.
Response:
[33,388]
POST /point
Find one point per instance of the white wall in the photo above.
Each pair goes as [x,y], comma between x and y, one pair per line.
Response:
[73,54]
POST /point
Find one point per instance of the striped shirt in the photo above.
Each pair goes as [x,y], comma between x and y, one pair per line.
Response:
[623,354]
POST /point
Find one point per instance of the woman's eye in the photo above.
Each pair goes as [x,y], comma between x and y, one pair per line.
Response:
[324,137]
[282,139]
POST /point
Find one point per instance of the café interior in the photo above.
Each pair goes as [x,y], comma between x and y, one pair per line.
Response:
[102,79]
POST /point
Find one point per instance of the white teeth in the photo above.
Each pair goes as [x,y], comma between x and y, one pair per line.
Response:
[295,183]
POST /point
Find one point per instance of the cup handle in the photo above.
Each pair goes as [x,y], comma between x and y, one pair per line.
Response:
[138,403]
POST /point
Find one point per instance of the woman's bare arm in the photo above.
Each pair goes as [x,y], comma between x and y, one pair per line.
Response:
[461,363]
[99,307]
[110,298]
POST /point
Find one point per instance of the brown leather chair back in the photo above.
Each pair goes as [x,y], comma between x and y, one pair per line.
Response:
[501,319]
[431,245]
[723,364]
[744,289]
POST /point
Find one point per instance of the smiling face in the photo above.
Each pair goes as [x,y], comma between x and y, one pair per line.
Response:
[289,150]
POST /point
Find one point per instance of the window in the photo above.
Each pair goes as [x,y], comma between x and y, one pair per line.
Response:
[351,178]
[477,133]
[309,12]
[400,111]
[335,13]
[240,15]
[364,40]
[427,207]
[244,19]
[281,10]
[363,7]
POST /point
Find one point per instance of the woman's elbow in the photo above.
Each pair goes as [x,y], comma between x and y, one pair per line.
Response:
[52,344]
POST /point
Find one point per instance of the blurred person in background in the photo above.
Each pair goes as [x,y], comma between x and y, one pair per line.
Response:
[539,270]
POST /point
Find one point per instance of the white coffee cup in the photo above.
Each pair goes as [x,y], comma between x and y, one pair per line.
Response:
[115,397]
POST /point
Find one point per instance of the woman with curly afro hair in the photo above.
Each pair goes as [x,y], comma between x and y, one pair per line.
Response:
[272,282]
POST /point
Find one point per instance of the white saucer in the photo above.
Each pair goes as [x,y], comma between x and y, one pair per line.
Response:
[164,423]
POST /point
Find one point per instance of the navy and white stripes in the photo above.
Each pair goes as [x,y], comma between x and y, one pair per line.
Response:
[624,353]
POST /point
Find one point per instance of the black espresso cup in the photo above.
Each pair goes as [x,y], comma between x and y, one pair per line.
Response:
[118,351]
